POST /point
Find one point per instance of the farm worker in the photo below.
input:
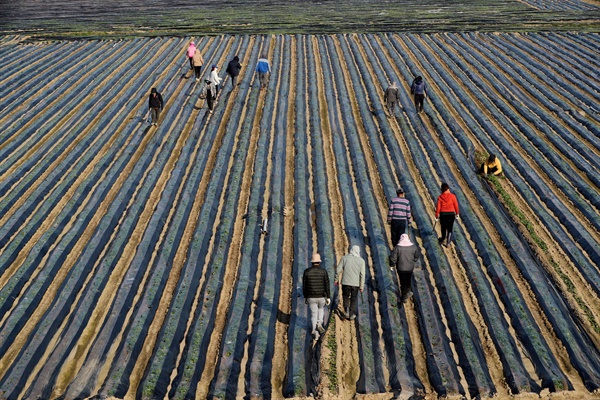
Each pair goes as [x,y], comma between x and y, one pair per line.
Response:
[215,79]
[198,61]
[315,287]
[208,94]
[191,50]
[446,211]
[233,69]
[391,97]
[491,166]
[351,274]
[404,257]
[155,103]
[398,215]
[264,69]
[419,90]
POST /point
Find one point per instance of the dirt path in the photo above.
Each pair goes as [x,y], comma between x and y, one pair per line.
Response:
[346,358]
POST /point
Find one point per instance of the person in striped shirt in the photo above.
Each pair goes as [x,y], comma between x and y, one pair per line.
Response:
[398,215]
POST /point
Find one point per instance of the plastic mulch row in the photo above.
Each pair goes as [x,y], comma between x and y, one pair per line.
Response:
[566,328]
[136,328]
[399,348]
[58,256]
[235,336]
[592,248]
[517,377]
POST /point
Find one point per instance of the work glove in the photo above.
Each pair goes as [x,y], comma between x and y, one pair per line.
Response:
[457,217]
[327,302]
[437,219]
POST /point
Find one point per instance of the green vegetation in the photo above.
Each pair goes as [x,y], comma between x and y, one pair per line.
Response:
[325,17]
[512,207]
[331,371]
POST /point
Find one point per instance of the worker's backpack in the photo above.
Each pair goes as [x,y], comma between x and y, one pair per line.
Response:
[203,93]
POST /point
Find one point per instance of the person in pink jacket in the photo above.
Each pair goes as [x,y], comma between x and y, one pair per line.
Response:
[191,50]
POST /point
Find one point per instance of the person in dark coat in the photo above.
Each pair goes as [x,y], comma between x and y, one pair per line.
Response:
[419,90]
[403,258]
[233,69]
[209,93]
[315,287]
[155,103]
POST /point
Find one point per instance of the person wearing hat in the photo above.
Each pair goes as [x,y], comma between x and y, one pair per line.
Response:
[398,215]
[391,97]
[191,50]
[404,258]
[315,288]
[419,90]
[215,79]
[233,70]
[491,166]
[155,104]
[351,274]
[198,62]
[446,211]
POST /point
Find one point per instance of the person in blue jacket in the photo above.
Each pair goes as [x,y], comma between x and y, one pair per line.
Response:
[264,69]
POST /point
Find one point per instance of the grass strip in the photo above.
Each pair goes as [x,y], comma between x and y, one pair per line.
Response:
[331,370]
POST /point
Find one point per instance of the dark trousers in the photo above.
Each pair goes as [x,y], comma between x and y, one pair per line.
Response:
[419,98]
[405,282]
[490,170]
[233,80]
[391,105]
[197,71]
[209,100]
[191,63]
[397,228]
[350,295]
[446,222]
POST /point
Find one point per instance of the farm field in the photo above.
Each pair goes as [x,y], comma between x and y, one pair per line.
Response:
[132,263]
[59,19]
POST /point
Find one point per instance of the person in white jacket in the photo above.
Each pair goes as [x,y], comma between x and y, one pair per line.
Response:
[215,79]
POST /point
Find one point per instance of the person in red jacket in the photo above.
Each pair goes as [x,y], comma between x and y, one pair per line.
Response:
[446,211]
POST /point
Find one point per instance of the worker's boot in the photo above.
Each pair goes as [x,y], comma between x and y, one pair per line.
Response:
[320,328]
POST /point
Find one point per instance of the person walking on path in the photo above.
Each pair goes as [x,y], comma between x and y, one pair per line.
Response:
[198,62]
[315,287]
[233,69]
[391,97]
[191,50]
[446,211]
[491,166]
[215,79]
[398,215]
[351,274]
[155,104]
[264,69]
[208,94]
[419,90]
[404,258]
